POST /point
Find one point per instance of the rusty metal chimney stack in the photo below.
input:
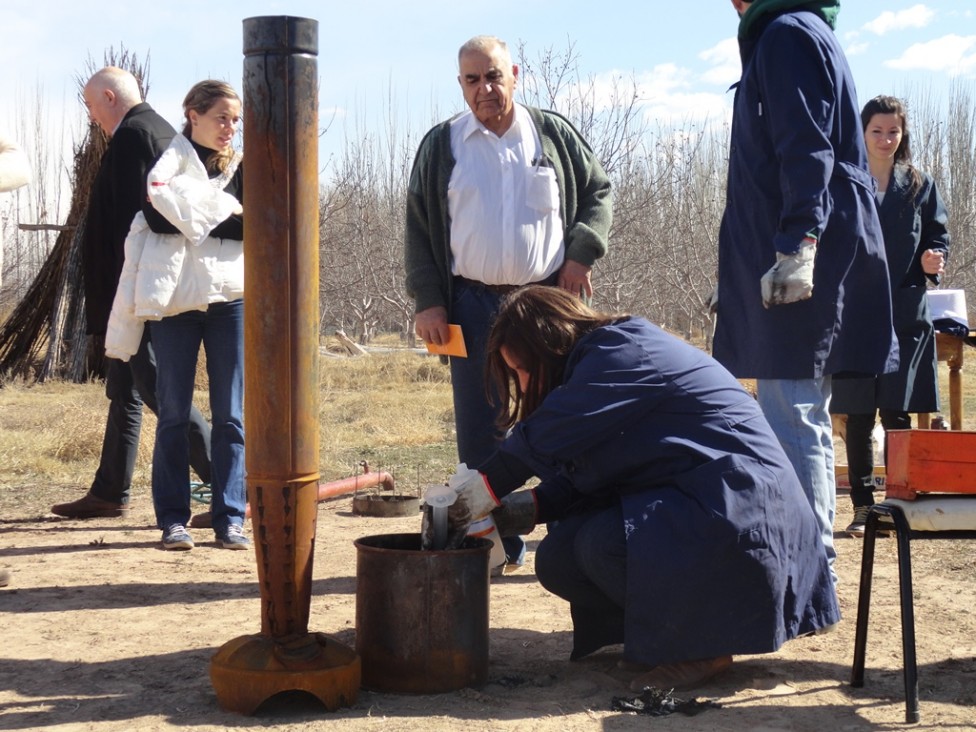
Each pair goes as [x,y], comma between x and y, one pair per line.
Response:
[281,316]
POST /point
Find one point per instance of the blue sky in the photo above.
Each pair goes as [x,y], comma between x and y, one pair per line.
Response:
[379,58]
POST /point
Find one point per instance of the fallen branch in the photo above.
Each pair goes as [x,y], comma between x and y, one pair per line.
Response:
[350,345]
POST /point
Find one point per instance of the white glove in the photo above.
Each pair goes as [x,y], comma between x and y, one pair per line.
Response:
[474,500]
[791,278]
[472,492]
[711,304]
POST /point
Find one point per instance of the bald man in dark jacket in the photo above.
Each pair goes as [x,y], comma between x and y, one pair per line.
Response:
[138,136]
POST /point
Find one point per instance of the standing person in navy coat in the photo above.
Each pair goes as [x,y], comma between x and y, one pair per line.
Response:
[803,287]
[913,219]
[677,525]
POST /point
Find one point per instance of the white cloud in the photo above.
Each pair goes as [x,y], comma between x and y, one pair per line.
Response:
[725,66]
[612,88]
[670,94]
[665,95]
[662,80]
[856,49]
[680,110]
[955,55]
[917,16]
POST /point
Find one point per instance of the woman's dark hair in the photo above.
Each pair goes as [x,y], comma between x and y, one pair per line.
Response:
[201,97]
[538,326]
[903,155]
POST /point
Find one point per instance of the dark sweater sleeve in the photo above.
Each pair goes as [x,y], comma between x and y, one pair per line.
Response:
[585,195]
[233,227]
[554,498]
[426,248]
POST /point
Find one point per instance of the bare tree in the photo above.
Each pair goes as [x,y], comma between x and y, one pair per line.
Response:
[31,215]
[361,232]
[668,191]
[50,318]
[944,145]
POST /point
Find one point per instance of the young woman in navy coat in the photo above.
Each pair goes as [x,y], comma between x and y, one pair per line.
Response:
[913,220]
[677,526]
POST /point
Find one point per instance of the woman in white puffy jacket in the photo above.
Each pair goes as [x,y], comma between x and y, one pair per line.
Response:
[184,278]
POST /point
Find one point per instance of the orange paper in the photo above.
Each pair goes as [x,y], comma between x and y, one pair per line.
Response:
[454,345]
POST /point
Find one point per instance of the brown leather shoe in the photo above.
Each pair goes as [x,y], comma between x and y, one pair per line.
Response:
[89,506]
[201,520]
[682,676]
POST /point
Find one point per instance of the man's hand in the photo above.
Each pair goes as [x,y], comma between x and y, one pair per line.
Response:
[791,278]
[431,325]
[575,277]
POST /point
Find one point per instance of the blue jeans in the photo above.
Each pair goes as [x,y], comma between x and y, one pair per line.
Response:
[221,330]
[474,308]
[797,411]
[129,385]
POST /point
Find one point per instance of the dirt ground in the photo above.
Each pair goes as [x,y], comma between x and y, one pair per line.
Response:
[104,631]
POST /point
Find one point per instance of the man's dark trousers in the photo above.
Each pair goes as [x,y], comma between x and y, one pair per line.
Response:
[129,385]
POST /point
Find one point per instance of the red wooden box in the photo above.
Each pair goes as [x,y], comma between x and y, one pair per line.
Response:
[930,461]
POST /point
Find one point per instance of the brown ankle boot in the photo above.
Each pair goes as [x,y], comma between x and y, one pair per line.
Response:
[683,675]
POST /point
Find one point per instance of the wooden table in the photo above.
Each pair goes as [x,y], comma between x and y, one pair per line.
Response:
[949,348]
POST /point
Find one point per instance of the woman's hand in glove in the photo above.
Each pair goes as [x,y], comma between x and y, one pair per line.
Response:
[473,500]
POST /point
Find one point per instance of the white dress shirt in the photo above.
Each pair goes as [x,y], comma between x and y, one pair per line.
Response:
[506,227]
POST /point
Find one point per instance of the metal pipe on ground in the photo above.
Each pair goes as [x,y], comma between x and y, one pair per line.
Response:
[326,491]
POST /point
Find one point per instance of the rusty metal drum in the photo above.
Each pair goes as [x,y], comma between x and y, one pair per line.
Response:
[421,616]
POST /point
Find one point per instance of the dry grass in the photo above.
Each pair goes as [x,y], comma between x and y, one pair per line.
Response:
[392,410]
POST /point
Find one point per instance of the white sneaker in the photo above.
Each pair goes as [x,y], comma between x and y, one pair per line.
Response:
[177,537]
[233,538]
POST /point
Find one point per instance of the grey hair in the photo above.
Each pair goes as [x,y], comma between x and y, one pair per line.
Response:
[485,44]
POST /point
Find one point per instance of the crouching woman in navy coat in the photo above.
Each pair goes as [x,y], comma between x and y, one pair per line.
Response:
[676,524]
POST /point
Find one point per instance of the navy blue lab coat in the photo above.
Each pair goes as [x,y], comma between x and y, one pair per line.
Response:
[797,165]
[723,551]
[911,224]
